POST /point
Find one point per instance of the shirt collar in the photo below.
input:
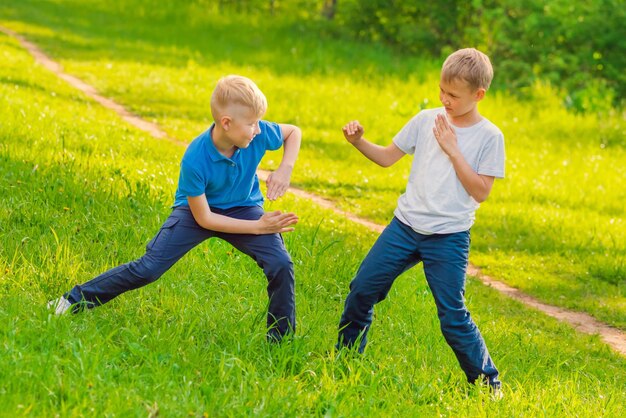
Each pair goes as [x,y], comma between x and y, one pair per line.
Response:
[212,151]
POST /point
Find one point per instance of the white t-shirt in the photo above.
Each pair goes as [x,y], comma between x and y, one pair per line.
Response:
[435,201]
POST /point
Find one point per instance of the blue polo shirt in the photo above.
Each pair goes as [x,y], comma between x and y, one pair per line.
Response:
[226,182]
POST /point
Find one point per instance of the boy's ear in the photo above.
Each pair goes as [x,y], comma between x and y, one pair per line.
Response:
[226,121]
[480,94]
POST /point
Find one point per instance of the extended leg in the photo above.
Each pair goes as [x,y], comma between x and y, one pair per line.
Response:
[445,260]
[392,254]
[177,236]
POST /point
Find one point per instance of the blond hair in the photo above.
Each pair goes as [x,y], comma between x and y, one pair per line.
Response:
[469,65]
[237,90]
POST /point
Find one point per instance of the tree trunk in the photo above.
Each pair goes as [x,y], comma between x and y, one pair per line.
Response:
[329,9]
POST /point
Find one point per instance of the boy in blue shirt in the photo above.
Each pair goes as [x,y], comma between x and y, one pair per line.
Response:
[457,155]
[218,195]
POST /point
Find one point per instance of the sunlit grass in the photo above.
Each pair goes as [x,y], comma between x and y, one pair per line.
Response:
[559,210]
[83,191]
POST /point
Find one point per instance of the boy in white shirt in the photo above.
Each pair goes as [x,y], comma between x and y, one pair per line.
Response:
[457,156]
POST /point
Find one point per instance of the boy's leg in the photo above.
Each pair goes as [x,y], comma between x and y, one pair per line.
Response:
[178,234]
[445,259]
[392,254]
[269,252]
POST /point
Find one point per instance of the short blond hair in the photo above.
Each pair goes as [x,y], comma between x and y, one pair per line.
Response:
[469,65]
[237,90]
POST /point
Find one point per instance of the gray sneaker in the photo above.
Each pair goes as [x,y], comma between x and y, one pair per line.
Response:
[60,305]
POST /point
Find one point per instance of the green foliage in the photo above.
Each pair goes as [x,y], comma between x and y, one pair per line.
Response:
[578,46]
[403,23]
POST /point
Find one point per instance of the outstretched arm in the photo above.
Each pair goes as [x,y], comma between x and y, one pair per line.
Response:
[270,222]
[477,185]
[278,181]
[383,156]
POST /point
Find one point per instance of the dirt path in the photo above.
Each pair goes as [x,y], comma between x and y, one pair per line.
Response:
[580,321]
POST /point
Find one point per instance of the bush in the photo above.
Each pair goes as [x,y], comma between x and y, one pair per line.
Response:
[575,45]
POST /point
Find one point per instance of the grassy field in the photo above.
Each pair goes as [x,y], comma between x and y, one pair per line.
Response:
[555,228]
[83,191]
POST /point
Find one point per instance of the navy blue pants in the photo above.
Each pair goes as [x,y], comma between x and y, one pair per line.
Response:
[178,235]
[445,259]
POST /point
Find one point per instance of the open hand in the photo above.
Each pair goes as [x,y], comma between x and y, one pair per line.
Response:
[353,131]
[278,182]
[277,222]
[445,135]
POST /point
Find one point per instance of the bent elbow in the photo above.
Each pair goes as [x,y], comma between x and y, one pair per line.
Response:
[205,223]
[481,197]
[386,163]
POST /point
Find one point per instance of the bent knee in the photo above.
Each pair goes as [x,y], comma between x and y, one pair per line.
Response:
[145,271]
[366,295]
[278,266]
[458,319]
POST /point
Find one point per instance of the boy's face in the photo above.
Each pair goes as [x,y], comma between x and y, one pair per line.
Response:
[243,126]
[458,97]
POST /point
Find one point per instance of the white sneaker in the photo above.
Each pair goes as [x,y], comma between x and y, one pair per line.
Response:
[60,305]
[496,393]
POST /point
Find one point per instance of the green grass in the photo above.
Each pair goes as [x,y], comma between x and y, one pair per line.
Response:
[83,191]
[555,228]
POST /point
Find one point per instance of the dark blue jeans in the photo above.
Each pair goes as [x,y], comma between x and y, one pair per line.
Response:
[178,235]
[445,259]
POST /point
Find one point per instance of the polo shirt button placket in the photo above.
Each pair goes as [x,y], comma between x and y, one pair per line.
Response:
[233,172]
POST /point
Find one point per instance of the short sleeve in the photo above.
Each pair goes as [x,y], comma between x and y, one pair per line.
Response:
[191,182]
[406,139]
[273,135]
[492,157]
